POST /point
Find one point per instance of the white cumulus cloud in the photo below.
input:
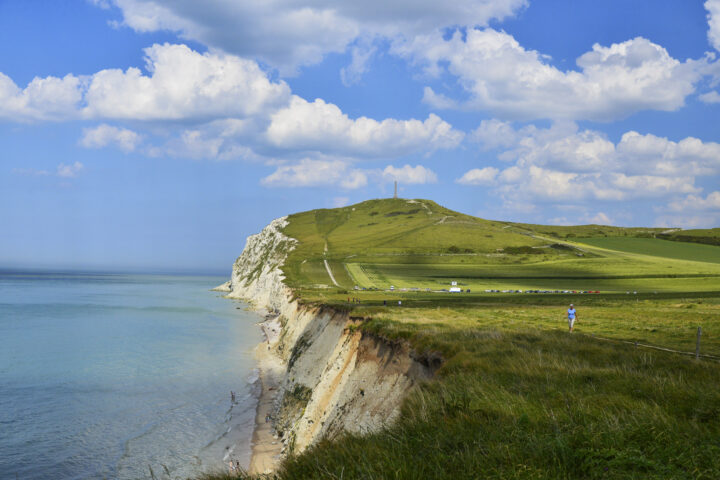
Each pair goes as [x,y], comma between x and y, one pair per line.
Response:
[494,133]
[410,175]
[361,56]
[181,85]
[69,171]
[564,165]
[710,97]
[561,147]
[321,126]
[289,33]
[184,84]
[713,8]
[317,172]
[217,106]
[343,173]
[479,176]
[104,135]
[691,211]
[643,153]
[49,98]
[695,203]
[501,76]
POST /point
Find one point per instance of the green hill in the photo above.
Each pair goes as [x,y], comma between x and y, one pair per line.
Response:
[585,231]
[418,244]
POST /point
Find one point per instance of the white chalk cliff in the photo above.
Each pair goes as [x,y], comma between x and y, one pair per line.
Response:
[256,275]
[337,377]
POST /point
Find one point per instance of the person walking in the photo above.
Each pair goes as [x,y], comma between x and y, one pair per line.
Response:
[571,316]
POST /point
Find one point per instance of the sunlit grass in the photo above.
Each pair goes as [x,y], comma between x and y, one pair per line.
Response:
[515,403]
[518,396]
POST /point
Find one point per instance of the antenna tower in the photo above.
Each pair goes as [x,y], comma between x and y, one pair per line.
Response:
[395,196]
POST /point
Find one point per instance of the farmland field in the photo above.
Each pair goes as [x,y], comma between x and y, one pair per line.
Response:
[522,277]
[657,247]
[419,244]
[607,271]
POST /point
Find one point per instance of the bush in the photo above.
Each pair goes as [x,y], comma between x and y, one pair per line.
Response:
[524,250]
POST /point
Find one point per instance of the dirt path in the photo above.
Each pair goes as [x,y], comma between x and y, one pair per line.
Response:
[327,267]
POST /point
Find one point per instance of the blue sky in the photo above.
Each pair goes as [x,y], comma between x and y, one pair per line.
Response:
[158,134]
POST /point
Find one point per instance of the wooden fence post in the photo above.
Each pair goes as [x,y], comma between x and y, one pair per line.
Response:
[697,344]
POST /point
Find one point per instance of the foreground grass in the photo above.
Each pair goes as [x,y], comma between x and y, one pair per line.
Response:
[520,397]
[541,405]
[666,320]
[670,323]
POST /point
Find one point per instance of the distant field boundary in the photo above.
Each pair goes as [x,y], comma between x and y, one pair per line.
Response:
[654,347]
[551,277]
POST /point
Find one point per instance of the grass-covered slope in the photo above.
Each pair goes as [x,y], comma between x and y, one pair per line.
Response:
[420,244]
[519,397]
[709,236]
[587,231]
[514,404]
[392,228]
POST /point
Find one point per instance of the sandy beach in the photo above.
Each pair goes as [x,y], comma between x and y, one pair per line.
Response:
[266,447]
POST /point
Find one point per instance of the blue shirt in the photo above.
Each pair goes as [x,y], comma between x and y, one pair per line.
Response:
[571,313]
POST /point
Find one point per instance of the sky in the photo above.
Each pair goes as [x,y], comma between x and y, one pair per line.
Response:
[156,135]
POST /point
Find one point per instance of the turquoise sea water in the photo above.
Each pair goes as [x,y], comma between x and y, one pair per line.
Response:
[109,376]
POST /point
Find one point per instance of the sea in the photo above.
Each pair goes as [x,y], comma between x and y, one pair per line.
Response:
[115,376]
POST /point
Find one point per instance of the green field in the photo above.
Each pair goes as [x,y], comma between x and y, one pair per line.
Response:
[419,244]
[612,278]
[658,248]
[520,397]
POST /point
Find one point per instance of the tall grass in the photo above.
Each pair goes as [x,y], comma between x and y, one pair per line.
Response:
[541,405]
[519,397]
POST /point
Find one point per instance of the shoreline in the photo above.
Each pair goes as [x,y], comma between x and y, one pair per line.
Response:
[266,447]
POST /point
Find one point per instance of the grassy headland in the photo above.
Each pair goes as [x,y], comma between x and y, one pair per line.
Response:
[517,395]
[419,244]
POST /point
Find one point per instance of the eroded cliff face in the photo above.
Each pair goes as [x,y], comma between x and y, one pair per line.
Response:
[256,275]
[337,378]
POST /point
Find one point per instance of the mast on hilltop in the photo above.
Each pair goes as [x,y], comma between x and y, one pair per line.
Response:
[395,196]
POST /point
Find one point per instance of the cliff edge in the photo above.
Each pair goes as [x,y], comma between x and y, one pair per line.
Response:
[257,277]
[333,377]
